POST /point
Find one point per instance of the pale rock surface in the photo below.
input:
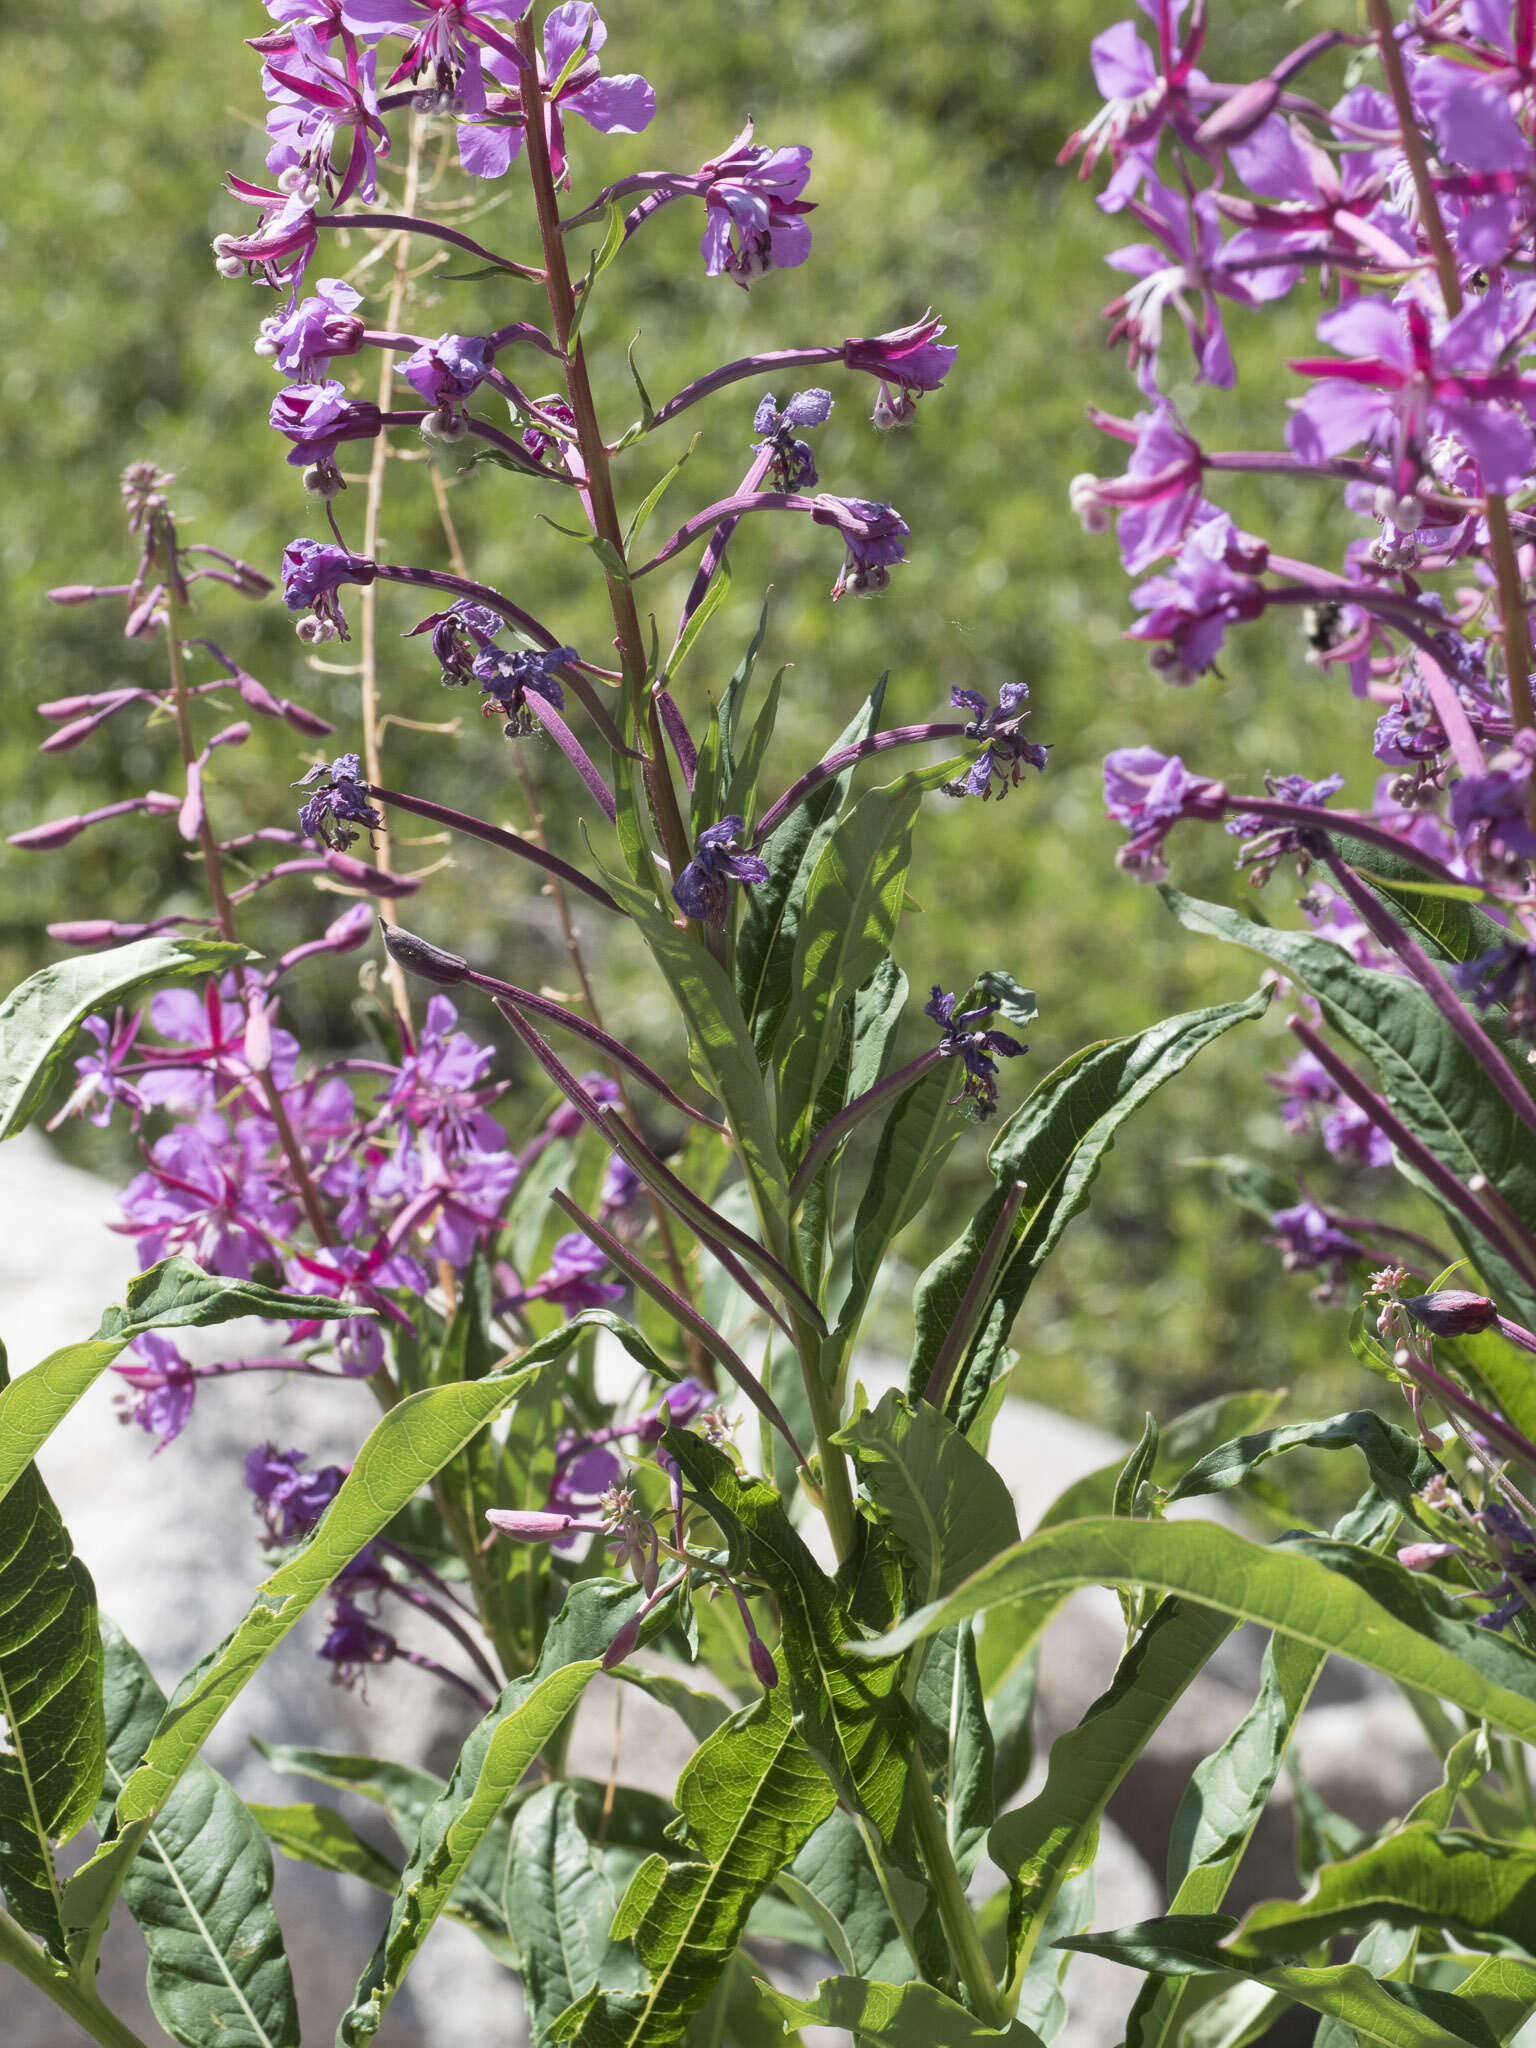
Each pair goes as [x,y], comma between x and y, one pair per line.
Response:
[172,1544]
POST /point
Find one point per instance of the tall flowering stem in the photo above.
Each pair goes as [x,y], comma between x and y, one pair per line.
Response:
[603,510]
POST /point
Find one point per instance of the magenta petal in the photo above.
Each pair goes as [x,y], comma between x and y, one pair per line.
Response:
[487,151]
[625,105]
[564,30]
[1367,327]
[789,240]
[1122,64]
[1334,416]
[1499,440]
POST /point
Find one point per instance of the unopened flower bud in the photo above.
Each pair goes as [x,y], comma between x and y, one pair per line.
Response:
[346,933]
[1090,508]
[1418,1557]
[361,875]
[529,1525]
[75,593]
[421,958]
[762,1663]
[622,1644]
[1405,512]
[1452,1312]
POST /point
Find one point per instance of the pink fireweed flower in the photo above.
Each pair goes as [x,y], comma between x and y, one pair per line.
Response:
[755,213]
[907,360]
[622,105]
[1149,793]
[303,340]
[1213,584]
[447,40]
[874,535]
[1397,384]
[317,99]
[1143,92]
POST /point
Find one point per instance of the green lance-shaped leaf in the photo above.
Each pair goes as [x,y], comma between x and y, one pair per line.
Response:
[955,1737]
[1335,1596]
[720,1037]
[1055,1143]
[1448,928]
[741,796]
[40,1020]
[406,1794]
[560,1900]
[408,1445]
[949,1510]
[851,1714]
[1216,1818]
[173,1295]
[715,768]
[749,1798]
[847,922]
[1398,1463]
[766,941]
[308,1832]
[494,1757]
[50,1702]
[902,2015]
[1482,1891]
[200,1887]
[1393,2015]
[1038,1845]
[833,1880]
[1427,1075]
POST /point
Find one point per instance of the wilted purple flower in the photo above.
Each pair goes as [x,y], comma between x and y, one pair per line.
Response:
[976,1048]
[536,442]
[1007,752]
[794,461]
[755,213]
[164,1388]
[1148,793]
[315,417]
[303,340]
[458,635]
[1396,385]
[289,1499]
[507,677]
[566,1120]
[874,536]
[339,803]
[354,1641]
[1213,584]
[444,372]
[313,572]
[907,360]
[1513,1542]
[1489,812]
[703,889]
[1266,844]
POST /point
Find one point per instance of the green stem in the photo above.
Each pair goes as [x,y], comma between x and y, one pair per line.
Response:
[960,1927]
[826,1417]
[83,2007]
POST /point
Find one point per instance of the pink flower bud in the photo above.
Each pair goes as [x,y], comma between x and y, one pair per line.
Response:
[622,1643]
[1452,1312]
[1418,1557]
[189,820]
[303,720]
[763,1664]
[348,868]
[1238,117]
[78,593]
[83,931]
[44,838]
[529,1525]
[346,933]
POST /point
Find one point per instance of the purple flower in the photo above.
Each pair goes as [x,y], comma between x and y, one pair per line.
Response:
[208,1194]
[462,1192]
[1007,752]
[313,571]
[703,889]
[907,360]
[1395,386]
[440,1087]
[1142,91]
[1213,584]
[976,1048]
[677,1407]
[755,215]
[571,1282]
[354,1641]
[315,417]
[302,342]
[102,1078]
[1266,844]
[1158,498]
[873,535]
[1490,812]
[794,463]
[338,804]
[1305,1085]
[317,99]
[458,635]
[446,371]
[1347,1131]
[566,1120]
[447,38]
[1308,1239]
[164,1388]
[490,141]
[1148,793]
[289,1499]
[1505,975]
[507,677]
[284,239]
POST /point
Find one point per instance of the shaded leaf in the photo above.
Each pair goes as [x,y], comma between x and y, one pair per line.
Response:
[559,1898]
[904,2015]
[321,1836]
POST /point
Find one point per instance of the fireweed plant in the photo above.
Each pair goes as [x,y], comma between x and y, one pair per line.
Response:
[616,1353]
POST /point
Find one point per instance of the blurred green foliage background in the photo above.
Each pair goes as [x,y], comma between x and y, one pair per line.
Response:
[935,131]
